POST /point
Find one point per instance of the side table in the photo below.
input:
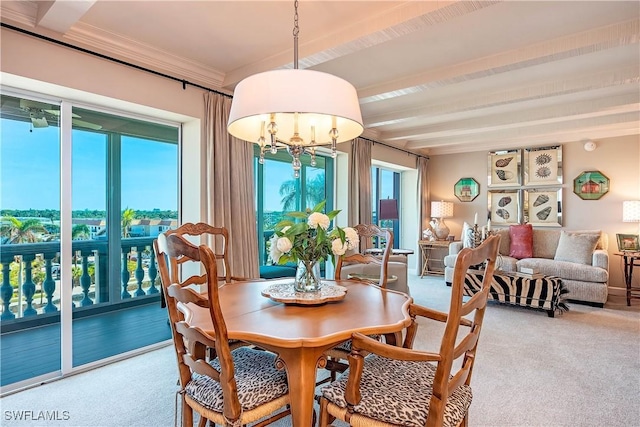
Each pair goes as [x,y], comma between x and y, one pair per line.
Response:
[426,247]
[631,259]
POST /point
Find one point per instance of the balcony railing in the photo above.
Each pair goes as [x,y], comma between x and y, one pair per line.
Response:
[90,284]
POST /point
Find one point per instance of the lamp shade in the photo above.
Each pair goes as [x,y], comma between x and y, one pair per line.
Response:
[305,101]
[631,211]
[441,209]
[388,209]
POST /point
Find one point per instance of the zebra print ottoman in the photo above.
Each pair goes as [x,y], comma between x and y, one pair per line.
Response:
[546,293]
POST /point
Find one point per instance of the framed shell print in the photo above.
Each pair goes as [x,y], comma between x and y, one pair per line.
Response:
[504,207]
[591,185]
[543,166]
[466,189]
[504,168]
[543,207]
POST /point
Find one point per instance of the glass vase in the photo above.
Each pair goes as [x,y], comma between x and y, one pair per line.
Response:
[307,277]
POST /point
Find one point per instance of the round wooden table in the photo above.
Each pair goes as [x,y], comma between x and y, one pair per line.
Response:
[301,334]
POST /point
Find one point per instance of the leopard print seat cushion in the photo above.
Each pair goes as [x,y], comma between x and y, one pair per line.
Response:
[398,392]
[257,379]
[346,345]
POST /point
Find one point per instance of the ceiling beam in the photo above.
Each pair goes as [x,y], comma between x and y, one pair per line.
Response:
[408,17]
[588,42]
[541,90]
[61,15]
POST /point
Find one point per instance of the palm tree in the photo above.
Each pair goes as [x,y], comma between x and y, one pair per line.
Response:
[315,192]
[15,231]
[128,215]
[80,232]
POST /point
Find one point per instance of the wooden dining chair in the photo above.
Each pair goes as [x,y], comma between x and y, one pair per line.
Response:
[235,388]
[365,267]
[217,238]
[409,387]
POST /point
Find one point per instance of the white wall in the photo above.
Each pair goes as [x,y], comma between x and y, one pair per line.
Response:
[617,158]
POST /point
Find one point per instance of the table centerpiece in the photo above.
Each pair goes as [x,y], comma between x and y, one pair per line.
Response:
[305,238]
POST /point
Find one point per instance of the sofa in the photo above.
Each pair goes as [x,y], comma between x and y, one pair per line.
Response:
[586,280]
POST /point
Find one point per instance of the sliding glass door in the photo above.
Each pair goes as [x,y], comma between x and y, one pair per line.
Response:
[84,193]
[29,239]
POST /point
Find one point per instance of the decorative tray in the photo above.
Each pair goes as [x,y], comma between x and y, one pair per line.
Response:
[283,292]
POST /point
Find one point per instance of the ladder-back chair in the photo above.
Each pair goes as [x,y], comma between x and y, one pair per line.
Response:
[410,387]
[368,267]
[234,388]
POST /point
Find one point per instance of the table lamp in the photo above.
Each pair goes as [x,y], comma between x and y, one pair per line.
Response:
[388,209]
[440,210]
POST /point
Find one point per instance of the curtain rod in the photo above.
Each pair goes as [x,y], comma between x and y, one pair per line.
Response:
[157,73]
[395,148]
[109,58]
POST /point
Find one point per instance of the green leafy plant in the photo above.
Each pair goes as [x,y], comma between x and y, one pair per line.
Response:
[306,237]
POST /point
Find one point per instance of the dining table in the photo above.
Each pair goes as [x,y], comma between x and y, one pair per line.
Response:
[301,333]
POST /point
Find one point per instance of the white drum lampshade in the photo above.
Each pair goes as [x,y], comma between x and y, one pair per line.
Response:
[631,212]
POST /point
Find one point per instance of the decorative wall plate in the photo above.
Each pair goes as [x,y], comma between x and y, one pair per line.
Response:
[466,189]
[591,185]
[283,292]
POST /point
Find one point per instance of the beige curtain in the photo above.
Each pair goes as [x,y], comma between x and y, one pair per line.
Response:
[360,183]
[230,186]
[424,208]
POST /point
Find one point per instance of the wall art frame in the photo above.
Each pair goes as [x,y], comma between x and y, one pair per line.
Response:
[466,189]
[543,207]
[543,166]
[504,207]
[591,185]
[628,242]
[505,168]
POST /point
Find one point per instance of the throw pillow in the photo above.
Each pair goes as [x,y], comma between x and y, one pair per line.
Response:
[521,237]
[466,236]
[576,247]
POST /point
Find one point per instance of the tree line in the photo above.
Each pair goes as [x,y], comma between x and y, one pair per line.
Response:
[54,215]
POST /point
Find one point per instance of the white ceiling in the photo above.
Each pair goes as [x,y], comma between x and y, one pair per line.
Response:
[432,77]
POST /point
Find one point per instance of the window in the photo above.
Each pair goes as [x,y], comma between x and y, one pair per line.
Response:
[385,184]
[277,191]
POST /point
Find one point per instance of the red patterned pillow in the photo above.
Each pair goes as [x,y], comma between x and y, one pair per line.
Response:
[521,237]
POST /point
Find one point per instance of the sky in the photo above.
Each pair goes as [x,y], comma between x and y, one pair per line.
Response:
[30,170]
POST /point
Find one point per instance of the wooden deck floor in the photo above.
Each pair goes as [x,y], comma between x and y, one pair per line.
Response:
[31,352]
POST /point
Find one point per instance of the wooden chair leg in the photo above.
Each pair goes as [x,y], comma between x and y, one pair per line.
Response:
[325,417]
[187,415]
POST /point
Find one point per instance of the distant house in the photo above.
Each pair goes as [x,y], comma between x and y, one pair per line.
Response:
[96,226]
[151,227]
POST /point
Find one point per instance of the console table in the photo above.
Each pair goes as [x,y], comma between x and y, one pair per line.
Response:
[630,259]
[426,247]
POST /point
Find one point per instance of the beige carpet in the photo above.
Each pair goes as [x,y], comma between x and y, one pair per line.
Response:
[578,369]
